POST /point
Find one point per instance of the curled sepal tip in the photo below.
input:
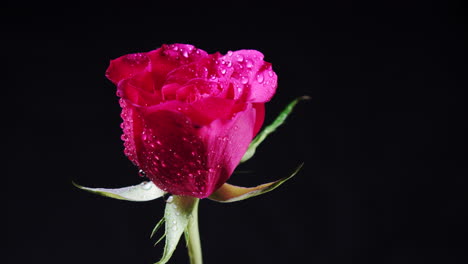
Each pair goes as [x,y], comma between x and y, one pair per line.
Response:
[230,193]
[271,128]
[145,191]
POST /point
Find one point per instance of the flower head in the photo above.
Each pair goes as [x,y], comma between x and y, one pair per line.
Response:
[189,116]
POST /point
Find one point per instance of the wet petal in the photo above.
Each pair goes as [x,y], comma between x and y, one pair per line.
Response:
[252,78]
[127,66]
[169,57]
[226,142]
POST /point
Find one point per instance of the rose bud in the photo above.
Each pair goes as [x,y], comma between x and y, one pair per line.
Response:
[189,116]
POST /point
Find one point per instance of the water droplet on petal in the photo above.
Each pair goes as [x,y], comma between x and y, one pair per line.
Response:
[136,59]
[141,173]
[244,80]
[248,63]
[270,73]
[260,78]
[240,58]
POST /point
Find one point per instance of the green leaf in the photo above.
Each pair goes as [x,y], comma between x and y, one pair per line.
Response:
[228,193]
[145,191]
[271,128]
[177,216]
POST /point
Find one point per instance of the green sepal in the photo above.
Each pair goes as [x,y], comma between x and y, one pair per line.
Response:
[271,128]
[156,228]
[228,193]
[145,191]
[177,215]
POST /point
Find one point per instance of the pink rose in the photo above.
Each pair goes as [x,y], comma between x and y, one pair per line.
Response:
[189,116]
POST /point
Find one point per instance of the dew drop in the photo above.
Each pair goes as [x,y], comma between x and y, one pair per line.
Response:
[270,73]
[248,63]
[240,58]
[170,199]
[174,228]
[260,78]
[244,80]
[136,59]
[146,185]
[223,71]
[141,173]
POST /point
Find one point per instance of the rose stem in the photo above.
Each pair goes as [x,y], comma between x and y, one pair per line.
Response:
[193,237]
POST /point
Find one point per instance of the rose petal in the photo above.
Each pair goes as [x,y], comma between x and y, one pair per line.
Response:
[226,142]
[170,57]
[132,128]
[259,116]
[204,68]
[251,77]
[127,66]
[173,156]
[183,159]
[206,110]
[139,90]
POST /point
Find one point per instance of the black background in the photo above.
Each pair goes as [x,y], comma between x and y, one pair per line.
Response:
[383,138]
